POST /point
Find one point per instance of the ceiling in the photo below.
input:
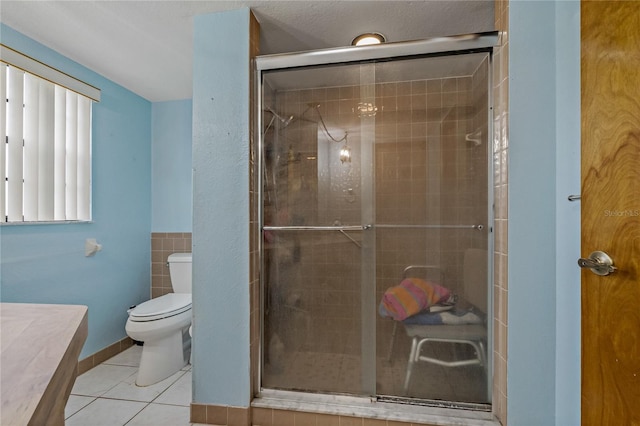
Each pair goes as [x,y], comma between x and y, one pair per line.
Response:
[146,46]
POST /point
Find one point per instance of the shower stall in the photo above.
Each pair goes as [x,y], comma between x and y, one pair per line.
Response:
[375,171]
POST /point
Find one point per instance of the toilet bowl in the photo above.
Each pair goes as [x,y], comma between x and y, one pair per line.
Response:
[162,324]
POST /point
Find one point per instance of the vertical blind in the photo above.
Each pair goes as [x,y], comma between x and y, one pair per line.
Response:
[46,155]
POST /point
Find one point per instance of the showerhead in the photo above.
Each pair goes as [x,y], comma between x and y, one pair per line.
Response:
[285,121]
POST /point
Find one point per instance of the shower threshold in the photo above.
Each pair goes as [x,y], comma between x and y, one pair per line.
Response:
[372,408]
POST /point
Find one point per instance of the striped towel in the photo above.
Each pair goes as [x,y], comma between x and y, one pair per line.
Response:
[411,296]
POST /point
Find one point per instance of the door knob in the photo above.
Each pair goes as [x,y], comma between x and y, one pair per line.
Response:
[599,262]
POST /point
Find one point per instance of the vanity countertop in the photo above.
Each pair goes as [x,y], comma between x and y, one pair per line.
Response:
[39,350]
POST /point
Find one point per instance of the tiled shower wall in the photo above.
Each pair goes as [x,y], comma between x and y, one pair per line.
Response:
[162,245]
[500,160]
[427,173]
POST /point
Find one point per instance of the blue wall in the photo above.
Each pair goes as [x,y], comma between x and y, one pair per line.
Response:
[171,166]
[532,223]
[567,213]
[221,209]
[46,263]
[543,377]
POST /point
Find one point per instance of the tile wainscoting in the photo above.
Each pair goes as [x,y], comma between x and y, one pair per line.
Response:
[99,357]
[162,245]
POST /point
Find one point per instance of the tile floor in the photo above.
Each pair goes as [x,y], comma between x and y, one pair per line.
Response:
[108,396]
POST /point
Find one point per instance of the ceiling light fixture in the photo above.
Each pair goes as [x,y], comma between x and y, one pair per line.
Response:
[345,154]
[368,39]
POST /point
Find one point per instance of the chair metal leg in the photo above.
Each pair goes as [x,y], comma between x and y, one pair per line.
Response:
[412,360]
[477,346]
[483,355]
[393,341]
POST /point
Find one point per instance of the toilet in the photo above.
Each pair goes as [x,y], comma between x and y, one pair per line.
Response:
[162,325]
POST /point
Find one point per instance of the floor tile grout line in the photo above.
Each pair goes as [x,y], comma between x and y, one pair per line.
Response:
[167,388]
[106,391]
[136,415]
[170,405]
[146,404]
[94,399]
[102,395]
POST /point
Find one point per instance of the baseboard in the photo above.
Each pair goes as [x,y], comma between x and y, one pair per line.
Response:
[99,357]
[220,415]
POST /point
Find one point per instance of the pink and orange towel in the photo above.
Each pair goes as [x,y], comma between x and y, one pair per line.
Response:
[411,296]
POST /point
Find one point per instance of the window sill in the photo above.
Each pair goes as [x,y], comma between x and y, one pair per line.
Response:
[53,222]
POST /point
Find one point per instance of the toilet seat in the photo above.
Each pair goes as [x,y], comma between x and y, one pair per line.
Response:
[162,307]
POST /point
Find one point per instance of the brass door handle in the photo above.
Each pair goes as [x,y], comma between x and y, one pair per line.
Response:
[599,262]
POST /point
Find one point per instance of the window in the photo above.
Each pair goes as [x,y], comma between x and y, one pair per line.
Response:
[46,155]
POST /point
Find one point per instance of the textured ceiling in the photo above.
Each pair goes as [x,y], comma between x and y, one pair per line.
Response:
[146,46]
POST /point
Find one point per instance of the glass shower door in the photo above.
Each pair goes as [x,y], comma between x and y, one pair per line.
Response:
[316,213]
[431,228]
[373,173]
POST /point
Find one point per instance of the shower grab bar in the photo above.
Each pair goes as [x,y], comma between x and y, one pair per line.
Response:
[365,227]
[341,229]
[478,227]
[317,228]
[351,239]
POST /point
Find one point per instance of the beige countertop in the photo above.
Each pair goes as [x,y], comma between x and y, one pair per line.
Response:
[39,350]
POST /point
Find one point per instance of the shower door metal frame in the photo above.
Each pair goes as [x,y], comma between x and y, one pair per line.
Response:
[440,46]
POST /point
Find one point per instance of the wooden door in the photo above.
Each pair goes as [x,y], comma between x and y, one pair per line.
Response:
[610,101]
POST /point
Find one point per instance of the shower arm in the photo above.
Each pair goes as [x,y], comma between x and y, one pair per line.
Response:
[273,118]
[351,238]
[285,121]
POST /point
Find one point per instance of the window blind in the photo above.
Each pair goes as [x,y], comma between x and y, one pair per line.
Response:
[46,155]
[44,71]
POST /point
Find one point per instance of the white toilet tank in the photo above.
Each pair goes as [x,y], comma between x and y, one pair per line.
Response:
[180,271]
